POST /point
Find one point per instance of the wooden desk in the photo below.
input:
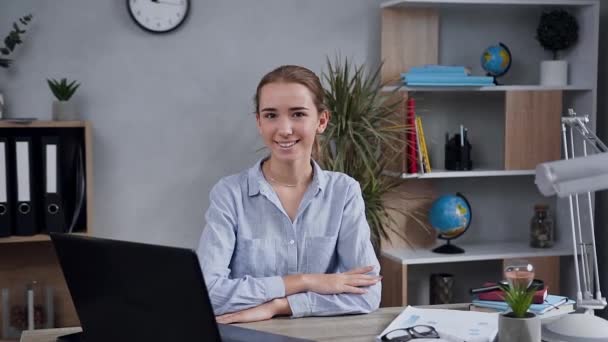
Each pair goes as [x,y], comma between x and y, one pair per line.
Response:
[355,328]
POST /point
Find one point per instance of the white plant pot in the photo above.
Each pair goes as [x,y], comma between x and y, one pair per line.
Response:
[64,111]
[554,73]
[519,329]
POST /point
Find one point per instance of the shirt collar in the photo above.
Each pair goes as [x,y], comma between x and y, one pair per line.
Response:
[255,177]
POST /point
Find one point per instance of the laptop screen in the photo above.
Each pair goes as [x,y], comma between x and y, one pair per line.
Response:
[126,291]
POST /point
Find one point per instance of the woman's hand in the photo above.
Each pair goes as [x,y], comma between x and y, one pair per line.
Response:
[278,306]
[347,282]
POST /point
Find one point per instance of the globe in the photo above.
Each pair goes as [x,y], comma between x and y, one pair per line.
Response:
[450,215]
[496,60]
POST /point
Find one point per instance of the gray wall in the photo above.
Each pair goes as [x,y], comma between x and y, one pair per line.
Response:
[171,114]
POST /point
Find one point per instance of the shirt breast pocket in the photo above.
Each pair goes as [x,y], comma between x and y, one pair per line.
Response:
[320,252]
[259,255]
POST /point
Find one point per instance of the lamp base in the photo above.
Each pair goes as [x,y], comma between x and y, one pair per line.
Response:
[576,327]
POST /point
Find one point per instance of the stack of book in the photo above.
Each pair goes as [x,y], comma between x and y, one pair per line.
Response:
[544,305]
[444,75]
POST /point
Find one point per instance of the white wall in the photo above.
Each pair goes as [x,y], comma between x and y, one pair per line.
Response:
[171,114]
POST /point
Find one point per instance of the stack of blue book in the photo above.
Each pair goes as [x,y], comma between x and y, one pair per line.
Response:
[444,75]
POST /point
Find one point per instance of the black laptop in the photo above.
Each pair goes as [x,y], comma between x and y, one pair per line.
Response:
[127,291]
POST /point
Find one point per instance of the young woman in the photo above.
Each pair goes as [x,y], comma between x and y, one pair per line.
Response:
[286,237]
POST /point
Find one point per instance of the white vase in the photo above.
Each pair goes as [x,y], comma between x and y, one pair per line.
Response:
[519,329]
[1,106]
[554,73]
[64,111]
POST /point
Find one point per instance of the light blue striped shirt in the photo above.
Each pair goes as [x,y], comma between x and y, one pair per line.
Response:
[249,243]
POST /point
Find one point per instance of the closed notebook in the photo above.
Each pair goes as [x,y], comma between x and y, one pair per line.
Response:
[498,296]
[551,302]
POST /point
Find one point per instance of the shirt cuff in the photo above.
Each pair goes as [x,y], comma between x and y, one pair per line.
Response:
[274,287]
[300,305]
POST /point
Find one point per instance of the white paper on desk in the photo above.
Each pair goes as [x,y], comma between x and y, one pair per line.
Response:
[452,325]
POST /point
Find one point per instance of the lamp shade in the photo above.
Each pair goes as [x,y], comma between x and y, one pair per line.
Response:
[573,176]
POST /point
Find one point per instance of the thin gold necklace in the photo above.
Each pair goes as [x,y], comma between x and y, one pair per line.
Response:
[282,184]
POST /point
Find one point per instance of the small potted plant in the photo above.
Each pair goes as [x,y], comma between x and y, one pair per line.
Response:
[63,108]
[518,324]
[557,31]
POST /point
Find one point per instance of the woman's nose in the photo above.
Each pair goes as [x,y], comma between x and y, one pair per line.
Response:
[285,127]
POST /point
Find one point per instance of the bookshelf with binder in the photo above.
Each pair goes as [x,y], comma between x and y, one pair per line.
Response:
[59,170]
[512,127]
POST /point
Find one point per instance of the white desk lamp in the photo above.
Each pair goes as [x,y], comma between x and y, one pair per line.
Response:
[574,177]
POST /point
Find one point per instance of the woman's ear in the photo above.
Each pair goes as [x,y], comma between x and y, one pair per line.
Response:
[258,123]
[323,121]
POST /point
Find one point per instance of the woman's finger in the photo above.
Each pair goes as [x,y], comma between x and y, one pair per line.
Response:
[360,270]
[363,282]
[352,289]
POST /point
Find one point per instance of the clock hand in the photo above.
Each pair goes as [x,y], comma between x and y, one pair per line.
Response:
[165,2]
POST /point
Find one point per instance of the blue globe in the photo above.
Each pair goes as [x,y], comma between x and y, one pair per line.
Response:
[450,215]
[496,60]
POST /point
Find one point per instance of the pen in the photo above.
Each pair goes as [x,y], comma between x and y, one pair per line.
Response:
[466,130]
[461,135]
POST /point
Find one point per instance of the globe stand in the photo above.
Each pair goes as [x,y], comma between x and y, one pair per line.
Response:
[494,75]
[448,249]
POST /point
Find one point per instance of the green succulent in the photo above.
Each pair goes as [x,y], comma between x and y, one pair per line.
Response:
[364,137]
[62,90]
[519,298]
[12,40]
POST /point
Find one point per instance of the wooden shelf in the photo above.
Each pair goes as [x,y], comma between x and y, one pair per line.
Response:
[32,238]
[461,174]
[476,252]
[22,239]
[8,123]
[504,88]
[408,3]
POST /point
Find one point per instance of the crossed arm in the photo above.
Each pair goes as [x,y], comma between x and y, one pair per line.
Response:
[355,289]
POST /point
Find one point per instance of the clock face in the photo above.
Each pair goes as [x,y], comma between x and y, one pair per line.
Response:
[158,16]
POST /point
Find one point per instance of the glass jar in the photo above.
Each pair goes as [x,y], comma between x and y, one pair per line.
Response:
[541,228]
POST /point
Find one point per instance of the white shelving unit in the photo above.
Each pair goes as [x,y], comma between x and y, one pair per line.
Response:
[461,174]
[476,252]
[501,192]
[498,88]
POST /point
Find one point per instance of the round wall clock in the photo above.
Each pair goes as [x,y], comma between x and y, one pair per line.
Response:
[158,16]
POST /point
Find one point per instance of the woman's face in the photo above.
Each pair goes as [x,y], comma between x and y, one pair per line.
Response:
[288,120]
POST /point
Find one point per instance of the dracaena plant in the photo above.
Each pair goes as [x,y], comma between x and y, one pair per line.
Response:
[519,298]
[62,90]
[13,39]
[364,137]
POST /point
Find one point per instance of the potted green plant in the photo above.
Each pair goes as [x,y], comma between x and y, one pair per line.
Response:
[518,324]
[363,137]
[556,31]
[63,107]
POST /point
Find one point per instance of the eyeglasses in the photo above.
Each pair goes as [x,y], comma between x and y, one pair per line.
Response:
[416,331]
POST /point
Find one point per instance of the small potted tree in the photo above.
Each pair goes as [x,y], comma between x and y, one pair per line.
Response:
[557,31]
[518,324]
[63,108]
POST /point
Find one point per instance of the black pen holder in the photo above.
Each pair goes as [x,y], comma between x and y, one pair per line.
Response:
[458,155]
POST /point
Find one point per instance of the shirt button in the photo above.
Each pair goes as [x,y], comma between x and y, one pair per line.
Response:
[291,242]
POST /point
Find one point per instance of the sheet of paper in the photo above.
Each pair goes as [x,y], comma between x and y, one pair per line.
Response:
[452,325]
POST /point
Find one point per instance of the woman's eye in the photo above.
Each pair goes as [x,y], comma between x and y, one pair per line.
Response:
[270,115]
[299,114]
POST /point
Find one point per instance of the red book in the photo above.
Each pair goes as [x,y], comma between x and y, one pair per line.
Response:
[497,295]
